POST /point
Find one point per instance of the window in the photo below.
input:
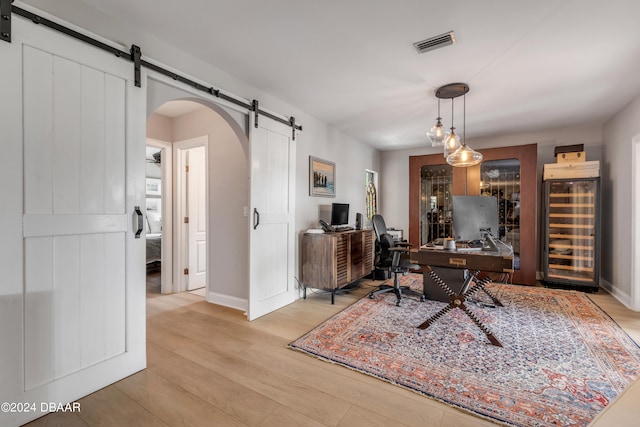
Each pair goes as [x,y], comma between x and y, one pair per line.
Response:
[371,195]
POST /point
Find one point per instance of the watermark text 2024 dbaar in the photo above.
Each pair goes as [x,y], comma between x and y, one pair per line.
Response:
[41,407]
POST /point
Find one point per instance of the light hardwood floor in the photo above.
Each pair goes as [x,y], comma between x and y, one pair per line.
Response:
[209,366]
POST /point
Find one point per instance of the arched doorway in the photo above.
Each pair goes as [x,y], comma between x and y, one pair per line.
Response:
[185,121]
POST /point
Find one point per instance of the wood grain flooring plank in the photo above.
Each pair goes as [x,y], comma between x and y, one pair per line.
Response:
[111,407]
[171,403]
[404,406]
[232,398]
[295,394]
[286,417]
[185,328]
[59,419]
[360,417]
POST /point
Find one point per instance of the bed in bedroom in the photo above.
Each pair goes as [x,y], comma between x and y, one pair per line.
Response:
[154,240]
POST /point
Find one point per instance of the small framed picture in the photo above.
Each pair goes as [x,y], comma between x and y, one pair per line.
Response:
[153,205]
[154,187]
[322,177]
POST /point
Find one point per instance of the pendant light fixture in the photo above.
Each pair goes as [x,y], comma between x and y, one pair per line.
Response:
[436,134]
[451,139]
[456,152]
[464,156]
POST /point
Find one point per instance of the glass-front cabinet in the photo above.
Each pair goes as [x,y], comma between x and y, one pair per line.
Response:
[572,232]
[435,202]
[501,179]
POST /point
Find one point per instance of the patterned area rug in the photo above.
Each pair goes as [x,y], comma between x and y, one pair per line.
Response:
[563,361]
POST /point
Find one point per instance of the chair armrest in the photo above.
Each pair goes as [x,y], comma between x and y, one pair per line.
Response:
[402,244]
[400,249]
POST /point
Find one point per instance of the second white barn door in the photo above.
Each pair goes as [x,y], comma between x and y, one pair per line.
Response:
[272,234]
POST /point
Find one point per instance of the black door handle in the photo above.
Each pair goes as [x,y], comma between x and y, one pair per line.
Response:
[140,222]
[256,218]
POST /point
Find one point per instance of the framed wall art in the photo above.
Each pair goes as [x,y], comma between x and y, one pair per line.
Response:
[154,187]
[322,177]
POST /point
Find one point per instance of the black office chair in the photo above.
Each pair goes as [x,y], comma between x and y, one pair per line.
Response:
[389,258]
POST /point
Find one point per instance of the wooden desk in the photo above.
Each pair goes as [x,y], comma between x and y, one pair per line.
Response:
[500,261]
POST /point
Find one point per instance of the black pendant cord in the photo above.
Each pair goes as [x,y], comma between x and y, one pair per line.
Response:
[452,127]
[464,119]
[135,55]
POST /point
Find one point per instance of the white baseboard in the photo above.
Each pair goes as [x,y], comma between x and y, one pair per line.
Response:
[622,297]
[227,301]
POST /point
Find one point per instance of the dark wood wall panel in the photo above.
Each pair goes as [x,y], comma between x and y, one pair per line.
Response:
[466,181]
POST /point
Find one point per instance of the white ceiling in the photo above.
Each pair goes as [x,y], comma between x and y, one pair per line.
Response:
[351,63]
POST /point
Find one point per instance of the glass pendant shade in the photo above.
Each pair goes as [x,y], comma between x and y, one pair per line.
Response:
[436,134]
[451,142]
[455,152]
[464,156]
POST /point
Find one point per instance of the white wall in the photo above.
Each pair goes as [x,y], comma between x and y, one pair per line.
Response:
[351,157]
[617,203]
[159,127]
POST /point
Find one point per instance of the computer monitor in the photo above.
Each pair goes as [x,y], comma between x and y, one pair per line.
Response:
[474,217]
[339,213]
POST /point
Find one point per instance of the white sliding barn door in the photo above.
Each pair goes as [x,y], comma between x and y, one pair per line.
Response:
[73,299]
[272,233]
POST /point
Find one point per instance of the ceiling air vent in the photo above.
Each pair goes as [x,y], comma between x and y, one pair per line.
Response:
[436,42]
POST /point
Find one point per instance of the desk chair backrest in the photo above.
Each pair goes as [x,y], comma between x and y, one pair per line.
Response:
[384,240]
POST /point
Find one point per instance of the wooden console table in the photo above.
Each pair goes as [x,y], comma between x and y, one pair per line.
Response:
[500,262]
[333,260]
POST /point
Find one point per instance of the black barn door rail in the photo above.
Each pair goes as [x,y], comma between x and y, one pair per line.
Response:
[134,55]
[5,20]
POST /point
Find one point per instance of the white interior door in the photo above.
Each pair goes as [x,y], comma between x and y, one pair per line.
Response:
[73,300]
[191,184]
[197,213]
[272,234]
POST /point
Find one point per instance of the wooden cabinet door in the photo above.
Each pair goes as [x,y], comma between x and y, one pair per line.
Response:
[342,260]
[356,251]
[467,181]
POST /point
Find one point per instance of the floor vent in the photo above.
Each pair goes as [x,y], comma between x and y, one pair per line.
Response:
[436,42]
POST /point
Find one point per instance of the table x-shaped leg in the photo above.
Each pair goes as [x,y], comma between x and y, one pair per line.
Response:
[481,284]
[457,301]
